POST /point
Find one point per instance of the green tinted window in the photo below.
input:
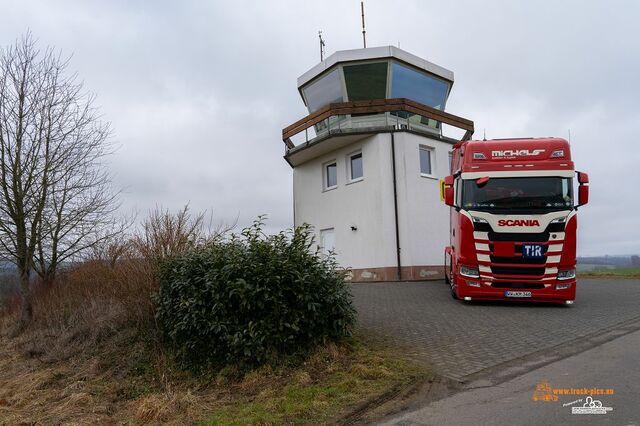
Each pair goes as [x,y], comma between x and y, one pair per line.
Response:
[366,81]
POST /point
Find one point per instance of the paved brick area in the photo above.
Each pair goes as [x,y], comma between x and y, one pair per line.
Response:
[460,338]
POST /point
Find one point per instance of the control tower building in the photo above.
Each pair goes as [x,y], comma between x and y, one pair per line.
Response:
[368,158]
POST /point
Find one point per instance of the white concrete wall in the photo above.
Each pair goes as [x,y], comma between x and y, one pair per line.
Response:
[424,219]
[368,204]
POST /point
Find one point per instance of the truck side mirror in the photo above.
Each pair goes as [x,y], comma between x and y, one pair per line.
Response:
[583,178]
[447,189]
[583,195]
[583,189]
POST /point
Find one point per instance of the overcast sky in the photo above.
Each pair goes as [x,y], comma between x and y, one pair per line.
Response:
[199,91]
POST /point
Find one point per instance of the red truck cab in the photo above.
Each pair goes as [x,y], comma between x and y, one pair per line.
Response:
[513,220]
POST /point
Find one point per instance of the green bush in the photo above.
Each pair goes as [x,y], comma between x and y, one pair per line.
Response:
[251,298]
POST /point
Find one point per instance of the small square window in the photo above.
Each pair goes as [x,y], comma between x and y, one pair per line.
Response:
[426,161]
[330,176]
[355,167]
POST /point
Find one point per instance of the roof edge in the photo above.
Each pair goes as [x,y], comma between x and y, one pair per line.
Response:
[381,52]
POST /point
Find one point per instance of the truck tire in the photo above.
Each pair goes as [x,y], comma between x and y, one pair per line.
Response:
[453,292]
[446,277]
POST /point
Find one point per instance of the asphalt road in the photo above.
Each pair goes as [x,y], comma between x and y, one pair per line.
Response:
[613,365]
[499,353]
[464,341]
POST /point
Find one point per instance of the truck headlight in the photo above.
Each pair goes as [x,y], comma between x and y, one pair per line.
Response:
[567,274]
[479,219]
[469,272]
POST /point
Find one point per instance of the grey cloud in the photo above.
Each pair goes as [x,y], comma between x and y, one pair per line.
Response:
[198,91]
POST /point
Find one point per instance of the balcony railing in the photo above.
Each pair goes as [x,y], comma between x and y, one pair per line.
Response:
[375,107]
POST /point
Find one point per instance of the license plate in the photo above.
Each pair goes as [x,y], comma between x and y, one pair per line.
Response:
[532,250]
[517,294]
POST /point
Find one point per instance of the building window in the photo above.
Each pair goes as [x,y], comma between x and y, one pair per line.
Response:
[327,241]
[419,86]
[426,161]
[355,171]
[366,81]
[322,92]
[330,176]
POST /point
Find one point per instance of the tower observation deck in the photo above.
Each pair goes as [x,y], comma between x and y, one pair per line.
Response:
[367,160]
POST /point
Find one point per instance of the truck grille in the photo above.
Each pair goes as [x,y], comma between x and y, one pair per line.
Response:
[507,271]
[502,270]
[519,260]
[529,238]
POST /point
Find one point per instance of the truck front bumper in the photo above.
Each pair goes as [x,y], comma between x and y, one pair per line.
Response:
[554,291]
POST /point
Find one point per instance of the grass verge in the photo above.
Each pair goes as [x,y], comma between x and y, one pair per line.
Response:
[333,381]
[124,379]
[612,273]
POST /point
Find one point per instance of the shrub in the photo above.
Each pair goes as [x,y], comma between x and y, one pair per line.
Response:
[250,298]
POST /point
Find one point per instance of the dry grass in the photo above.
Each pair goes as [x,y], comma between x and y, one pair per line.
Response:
[90,329]
[87,305]
[632,273]
[92,355]
[109,291]
[123,380]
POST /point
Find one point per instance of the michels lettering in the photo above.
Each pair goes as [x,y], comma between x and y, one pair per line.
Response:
[517,153]
[518,222]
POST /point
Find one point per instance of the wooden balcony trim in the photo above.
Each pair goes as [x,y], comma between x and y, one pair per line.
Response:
[374,107]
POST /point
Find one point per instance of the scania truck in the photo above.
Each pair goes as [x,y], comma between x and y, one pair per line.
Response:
[513,220]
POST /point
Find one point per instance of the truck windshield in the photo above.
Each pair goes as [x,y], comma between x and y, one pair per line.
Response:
[522,193]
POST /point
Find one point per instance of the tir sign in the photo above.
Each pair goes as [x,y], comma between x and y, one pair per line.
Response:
[532,250]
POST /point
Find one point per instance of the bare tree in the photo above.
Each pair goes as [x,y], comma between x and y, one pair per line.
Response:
[78,213]
[165,234]
[54,192]
[113,244]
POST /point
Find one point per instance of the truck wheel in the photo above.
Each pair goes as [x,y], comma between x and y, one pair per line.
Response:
[446,277]
[453,292]
[454,295]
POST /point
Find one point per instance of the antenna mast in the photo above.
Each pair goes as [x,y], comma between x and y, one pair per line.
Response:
[321,46]
[364,37]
